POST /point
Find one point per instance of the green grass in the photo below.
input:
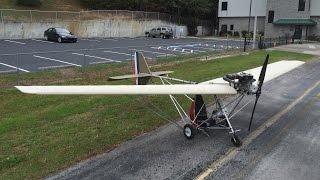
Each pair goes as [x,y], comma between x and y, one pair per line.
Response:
[40,135]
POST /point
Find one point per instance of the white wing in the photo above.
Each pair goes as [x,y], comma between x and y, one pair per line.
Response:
[216,86]
[273,70]
[216,89]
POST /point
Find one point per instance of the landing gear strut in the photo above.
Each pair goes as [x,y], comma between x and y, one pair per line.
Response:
[236,141]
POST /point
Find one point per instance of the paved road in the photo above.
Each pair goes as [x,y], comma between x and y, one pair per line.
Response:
[37,54]
[286,149]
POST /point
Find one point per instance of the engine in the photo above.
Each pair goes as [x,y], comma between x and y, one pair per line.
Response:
[242,82]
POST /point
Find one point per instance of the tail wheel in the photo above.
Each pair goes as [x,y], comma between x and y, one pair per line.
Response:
[236,141]
[189,131]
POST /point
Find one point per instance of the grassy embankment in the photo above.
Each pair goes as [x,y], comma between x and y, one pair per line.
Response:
[47,5]
[40,135]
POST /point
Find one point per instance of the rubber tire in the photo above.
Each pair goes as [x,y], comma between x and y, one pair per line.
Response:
[236,141]
[59,40]
[46,38]
[162,36]
[191,129]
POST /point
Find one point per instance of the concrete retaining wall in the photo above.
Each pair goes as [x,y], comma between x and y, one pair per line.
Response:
[87,29]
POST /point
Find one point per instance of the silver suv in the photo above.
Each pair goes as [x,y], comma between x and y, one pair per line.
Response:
[163,32]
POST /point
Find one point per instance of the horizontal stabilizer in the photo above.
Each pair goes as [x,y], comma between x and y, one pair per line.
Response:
[130,76]
[216,89]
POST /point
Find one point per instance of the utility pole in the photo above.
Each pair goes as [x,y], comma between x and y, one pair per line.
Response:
[249,23]
[254,32]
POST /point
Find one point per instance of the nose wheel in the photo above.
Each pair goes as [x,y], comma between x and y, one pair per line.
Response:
[189,131]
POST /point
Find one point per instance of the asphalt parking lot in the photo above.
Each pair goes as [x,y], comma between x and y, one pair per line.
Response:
[30,55]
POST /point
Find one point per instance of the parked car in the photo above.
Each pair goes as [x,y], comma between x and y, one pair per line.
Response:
[162,32]
[60,35]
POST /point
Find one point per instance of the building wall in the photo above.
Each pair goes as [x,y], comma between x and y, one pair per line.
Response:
[315,30]
[241,23]
[284,9]
[315,8]
[240,8]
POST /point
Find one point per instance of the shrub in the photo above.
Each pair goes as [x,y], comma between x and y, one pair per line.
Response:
[244,33]
[222,33]
[28,2]
[261,33]
[230,33]
[236,33]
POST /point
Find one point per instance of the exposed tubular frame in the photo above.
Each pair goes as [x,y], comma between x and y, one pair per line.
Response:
[219,108]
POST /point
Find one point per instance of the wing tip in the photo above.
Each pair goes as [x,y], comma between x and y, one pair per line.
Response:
[24,89]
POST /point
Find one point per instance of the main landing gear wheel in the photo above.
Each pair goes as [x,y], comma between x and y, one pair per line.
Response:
[189,131]
[59,40]
[46,38]
[236,141]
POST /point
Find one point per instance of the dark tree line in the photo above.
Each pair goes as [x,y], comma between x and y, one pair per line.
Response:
[190,11]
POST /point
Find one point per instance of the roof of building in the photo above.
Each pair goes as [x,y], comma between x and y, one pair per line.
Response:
[305,22]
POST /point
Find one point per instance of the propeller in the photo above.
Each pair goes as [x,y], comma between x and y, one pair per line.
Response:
[260,83]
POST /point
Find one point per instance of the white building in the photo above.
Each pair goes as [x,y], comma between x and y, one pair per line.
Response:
[299,18]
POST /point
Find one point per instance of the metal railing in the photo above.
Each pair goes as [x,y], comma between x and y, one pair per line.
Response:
[16,65]
[14,15]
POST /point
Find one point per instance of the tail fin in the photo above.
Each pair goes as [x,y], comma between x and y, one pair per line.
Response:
[140,67]
[141,71]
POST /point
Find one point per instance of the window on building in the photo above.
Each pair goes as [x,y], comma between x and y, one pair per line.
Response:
[231,27]
[302,5]
[271,17]
[224,6]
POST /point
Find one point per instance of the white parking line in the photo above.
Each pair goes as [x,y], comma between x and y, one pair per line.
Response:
[51,59]
[153,52]
[53,67]
[90,40]
[38,40]
[95,57]
[8,71]
[15,42]
[169,49]
[114,52]
[110,39]
[14,67]
[100,62]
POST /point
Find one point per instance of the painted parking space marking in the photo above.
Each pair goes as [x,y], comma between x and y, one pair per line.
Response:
[38,40]
[8,71]
[96,57]
[154,52]
[170,49]
[14,67]
[16,42]
[93,40]
[100,62]
[54,67]
[115,52]
[110,39]
[56,60]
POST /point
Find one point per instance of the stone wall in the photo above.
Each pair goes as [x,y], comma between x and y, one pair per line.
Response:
[87,29]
